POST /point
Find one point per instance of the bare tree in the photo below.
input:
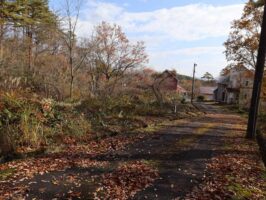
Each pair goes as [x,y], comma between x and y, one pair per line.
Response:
[112,55]
[69,36]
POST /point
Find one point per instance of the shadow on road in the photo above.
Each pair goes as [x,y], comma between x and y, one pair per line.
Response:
[179,152]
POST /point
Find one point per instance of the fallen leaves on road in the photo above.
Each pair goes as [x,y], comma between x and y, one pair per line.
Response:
[235,174]
[13,186]
[126,181]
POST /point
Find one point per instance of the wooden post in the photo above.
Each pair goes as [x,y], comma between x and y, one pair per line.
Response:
[193,83]
[254,106]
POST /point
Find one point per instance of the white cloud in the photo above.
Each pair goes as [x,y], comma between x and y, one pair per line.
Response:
[169,27]
[208,59]
[191,51]
[191,22]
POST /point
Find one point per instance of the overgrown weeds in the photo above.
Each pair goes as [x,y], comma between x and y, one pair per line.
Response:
[29,122]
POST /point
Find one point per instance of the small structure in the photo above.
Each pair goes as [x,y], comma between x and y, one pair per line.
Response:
[207,93]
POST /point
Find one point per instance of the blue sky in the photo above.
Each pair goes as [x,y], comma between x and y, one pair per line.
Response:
[177,33]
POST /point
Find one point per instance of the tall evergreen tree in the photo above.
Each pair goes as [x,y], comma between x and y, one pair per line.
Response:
[36,14]
[28,14]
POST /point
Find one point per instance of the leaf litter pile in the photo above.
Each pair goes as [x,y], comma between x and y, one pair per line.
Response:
[237,173]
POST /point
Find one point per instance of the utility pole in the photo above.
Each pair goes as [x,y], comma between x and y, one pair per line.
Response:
[254,106]
[193,82]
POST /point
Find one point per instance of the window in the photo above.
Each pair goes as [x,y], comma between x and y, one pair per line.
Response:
[247,83]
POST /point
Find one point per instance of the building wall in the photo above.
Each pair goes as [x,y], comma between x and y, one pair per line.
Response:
[235,77]
[169,84]
[232,97]
[221,94]
[246,92]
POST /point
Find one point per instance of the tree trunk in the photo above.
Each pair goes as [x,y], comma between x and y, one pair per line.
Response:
[71,74]
[253,113]
[1,34]
[29,35]
[1,42]
[71,86]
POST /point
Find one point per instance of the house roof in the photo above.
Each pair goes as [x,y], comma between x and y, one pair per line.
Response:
[207,90]
[171,74]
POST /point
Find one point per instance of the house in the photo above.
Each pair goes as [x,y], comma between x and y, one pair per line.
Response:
[166,81]
[235,87]
[227,91]
[170,83]
[207,93]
